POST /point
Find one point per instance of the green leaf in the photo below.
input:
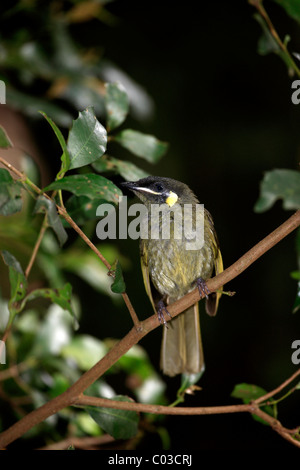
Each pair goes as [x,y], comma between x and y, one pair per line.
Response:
[90,185]
[118,286]
[279,184]
[292,8]
[85,350]
[142,145]
[18,282]
[248,393]
[60,296]
[5,141]
[296,305]
[127,170]
[116,104]
[81,209]
[31,106]
[10,194]
[65,158]
[47,206]
[87,139]
[121,424]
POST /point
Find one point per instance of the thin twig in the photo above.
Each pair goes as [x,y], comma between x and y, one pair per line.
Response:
[36,246]
[278,389]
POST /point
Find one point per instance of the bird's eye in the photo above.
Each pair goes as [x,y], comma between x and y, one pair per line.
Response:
[158,187]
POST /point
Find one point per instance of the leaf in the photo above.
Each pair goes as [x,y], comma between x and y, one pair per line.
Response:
[47,206]
[18,282]
[142,145]
[87,139]
[85,350]
[81,209]
[296,305]
[65,158]
[31,106]
[90,185]
[60,296]
[116,104]
[10,194]
[292,8]
[121,424]
[127,170]
[248,393]
[118,286]
[5,141]
[279,184]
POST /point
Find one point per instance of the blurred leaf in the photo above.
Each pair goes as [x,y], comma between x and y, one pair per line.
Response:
[85,350]
[121,424]
[279,184]
[90,185]
[127,170]
[142,145]
[18,281]
[5,141]
[65,158]
[47,206]
[136,361]
[54,333]
[81,209]
[292,8]
[31,105]
[85,424]
[116,104]
[118,286]
[10,194]
[60,384]
[87,139]
[267,43]
[60,296]
[296,305]
[248,393]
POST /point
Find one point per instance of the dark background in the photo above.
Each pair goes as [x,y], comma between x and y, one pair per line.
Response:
[227,114]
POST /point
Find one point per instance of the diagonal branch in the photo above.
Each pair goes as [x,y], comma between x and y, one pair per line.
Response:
[71,395]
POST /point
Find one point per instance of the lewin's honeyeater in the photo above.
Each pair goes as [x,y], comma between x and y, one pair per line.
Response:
[170,271]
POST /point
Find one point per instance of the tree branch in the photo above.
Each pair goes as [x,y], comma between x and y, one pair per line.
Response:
[72,395]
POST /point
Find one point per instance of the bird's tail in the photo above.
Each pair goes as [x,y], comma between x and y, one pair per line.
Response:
[182,350]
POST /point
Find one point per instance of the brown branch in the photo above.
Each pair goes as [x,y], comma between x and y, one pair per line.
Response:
[71,395]
[251,408]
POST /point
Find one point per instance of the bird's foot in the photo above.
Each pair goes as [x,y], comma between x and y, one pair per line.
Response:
[161,308]
[202,287]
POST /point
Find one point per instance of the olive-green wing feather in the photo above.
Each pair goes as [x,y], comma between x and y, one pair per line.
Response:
[145,272]
[213,300]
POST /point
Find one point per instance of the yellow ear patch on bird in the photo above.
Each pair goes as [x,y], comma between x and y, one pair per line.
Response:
[171,199]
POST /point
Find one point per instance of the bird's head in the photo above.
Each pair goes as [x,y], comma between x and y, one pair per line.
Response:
[161,190]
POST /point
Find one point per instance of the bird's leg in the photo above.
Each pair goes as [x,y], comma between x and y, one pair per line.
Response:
[202,287]
[161,308]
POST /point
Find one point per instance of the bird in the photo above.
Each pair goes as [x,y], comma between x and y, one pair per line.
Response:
[171,269]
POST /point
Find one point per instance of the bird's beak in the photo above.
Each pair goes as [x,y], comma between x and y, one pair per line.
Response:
[129,185]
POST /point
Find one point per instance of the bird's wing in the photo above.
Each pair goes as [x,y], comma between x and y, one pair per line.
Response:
[145,271]
[213,300]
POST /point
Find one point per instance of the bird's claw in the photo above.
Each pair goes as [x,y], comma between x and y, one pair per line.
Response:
[202,287]
[161,308]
